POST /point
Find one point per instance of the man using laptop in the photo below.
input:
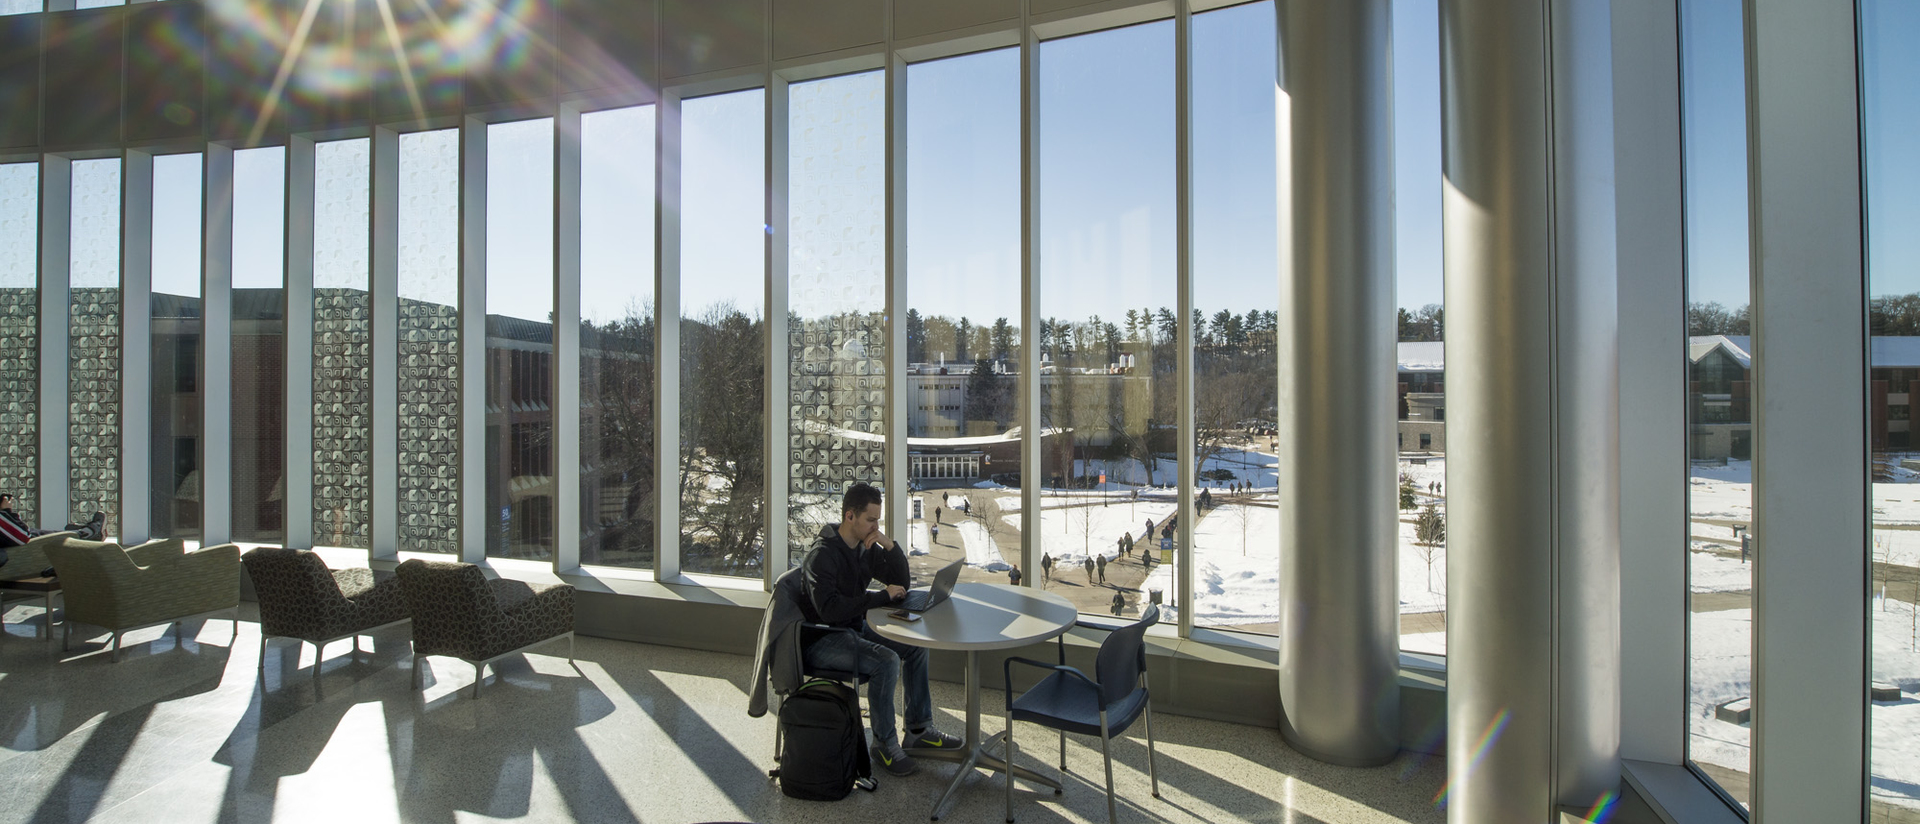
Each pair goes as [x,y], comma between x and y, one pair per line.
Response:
[844,559]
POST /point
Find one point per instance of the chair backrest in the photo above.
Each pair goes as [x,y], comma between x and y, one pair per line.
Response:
[93,575]
[293,585]
[445,598]
[1123,656]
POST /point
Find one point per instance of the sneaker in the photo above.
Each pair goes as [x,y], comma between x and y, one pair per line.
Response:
[933,739]
[895,759]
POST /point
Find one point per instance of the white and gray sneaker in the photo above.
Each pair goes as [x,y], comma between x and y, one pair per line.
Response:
[895,759]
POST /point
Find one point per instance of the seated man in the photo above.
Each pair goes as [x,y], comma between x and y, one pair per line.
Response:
[844,559]
[15,532]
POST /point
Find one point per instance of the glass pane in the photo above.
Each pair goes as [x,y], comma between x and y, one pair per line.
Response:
[429,519]
[1236,540]
[1108,405]
[342,337]
[93,347]
[520,339]
[175,358]
[722,334]
[1891,127]
[19,7]
[836,277]
[1422,404]
[259,346]
[1719,421]
[20,336]
[963,292]
[617,514]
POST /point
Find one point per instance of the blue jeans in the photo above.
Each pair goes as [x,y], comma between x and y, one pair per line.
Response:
[884,663]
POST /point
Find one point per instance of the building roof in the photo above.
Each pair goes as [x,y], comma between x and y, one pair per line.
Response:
[1737,347]
[1423,356]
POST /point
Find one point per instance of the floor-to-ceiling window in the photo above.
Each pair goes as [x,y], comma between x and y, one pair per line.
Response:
[342,341]
[20,334]
[836,289]
[1891,130]
[617,390]
[429,342]
[1236,534]
[174,356]
[93,346]
[962,322]
[723,346]
[1109,403]
[1421,409]
[1719,415]
[519,371]
[259,344]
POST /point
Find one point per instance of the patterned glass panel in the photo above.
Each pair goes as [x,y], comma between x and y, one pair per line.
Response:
[429,342]
[616,338]
[20,336]
[259,345]
[175,353]
[723,353]
[836,347]
[93,346]
[342,337]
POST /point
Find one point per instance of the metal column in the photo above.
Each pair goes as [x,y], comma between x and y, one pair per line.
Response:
[1339,628]
[1533,389]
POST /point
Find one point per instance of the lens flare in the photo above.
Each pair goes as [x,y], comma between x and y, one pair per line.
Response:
[1494,728]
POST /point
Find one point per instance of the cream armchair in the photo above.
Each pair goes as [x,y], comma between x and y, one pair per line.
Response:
[152,584]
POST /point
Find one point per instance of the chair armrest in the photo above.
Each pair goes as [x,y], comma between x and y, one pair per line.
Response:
[1006,672]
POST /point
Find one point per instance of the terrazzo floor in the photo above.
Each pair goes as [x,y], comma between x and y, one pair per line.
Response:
[188,730]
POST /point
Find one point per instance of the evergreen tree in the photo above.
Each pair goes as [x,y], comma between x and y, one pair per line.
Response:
[1406,493]
[916,337]
[962,335]
[1002,340]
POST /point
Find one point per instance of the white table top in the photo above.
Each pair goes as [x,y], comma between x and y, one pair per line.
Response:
[981,617]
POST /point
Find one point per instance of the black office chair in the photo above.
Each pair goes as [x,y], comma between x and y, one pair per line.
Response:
[1068,701]
[790,585]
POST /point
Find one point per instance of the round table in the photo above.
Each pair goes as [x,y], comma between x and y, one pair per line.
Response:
[979,617]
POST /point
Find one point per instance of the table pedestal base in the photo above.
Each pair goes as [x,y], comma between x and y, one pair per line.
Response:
[971,756]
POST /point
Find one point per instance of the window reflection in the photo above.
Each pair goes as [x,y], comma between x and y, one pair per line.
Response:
[259,348]
[723,345]
[176,407]
[1107,338]
[962,330]
[519,376]
[1236,539]
[617,517]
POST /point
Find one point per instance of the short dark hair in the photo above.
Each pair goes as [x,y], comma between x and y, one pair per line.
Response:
[858,498]
[6,496]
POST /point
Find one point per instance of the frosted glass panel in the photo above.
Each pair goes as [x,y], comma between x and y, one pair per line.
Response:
[429,341]
[93,347]
[836,348]
[20,335]
[342,385]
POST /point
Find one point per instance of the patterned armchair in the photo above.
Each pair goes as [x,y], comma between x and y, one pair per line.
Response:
[301,598]
[157,583]
[458,612]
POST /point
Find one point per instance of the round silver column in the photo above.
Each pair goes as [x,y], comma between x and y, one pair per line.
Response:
[1339,617]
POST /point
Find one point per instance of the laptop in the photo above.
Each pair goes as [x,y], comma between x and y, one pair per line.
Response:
[921,600]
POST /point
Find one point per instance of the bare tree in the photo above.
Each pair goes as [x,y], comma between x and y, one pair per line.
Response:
[1429,534]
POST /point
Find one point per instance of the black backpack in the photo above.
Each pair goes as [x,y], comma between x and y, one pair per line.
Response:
[823,750]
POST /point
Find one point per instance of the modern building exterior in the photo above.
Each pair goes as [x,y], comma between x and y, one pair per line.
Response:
[610,290]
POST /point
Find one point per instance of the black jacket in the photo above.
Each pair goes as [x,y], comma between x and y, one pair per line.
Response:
[838,575]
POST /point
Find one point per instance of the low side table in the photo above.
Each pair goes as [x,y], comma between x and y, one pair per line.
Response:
[979,617]
[47,587]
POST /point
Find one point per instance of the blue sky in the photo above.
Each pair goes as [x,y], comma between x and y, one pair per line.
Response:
[1106,179]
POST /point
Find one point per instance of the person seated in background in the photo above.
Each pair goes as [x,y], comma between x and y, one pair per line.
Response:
[14,530]
[844,559]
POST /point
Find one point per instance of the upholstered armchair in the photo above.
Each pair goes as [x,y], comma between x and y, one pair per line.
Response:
[301,598]
[30,559]
[458,612]
[152,584]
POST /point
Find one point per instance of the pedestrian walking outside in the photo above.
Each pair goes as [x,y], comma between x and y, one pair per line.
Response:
[936,514]
[1119,602]
[1088,563]
[1013,575]
[1046,567]
[935,529]
[1102,561]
